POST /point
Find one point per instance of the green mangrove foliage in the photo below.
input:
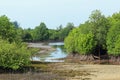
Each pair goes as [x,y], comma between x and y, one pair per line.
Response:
[70,41]
[7,30]
[80,42]
[13,55]
[113,36]
[99,35]
[99,26]
[42,33]
[85,43]
[13,52]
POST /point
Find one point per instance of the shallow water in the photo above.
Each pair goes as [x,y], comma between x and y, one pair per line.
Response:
[54,55]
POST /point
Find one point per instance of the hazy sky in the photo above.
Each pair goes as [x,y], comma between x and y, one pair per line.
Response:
[29,13]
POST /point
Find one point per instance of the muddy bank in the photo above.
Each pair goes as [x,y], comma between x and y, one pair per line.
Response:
[90,72]
[92,59]
[39,45]
[66,71]
[47,71]
[44,48]
[48,52]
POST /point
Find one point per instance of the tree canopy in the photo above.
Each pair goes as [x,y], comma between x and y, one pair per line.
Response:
[113,36]
[99,35]
[13,52]
[7,30]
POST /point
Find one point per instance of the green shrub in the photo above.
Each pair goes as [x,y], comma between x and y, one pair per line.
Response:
[70,41]
[85,43]
[79,42]
[113,39]
[13,55]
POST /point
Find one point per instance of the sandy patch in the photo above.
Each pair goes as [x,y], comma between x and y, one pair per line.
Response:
[97,72]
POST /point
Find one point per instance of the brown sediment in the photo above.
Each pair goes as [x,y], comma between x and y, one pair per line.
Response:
[65,71]
[44,48]
[92,59]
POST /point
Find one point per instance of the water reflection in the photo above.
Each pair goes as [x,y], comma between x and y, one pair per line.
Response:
[52,56]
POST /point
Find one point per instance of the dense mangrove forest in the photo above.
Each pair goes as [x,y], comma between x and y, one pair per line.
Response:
[95,40]
[98,36]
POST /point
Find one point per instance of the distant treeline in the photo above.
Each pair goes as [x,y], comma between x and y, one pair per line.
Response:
[42,33]
[99,35]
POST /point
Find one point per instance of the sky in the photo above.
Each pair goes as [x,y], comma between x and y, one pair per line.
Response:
[30,13]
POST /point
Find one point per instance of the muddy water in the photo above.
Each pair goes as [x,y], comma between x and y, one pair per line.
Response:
[52,56]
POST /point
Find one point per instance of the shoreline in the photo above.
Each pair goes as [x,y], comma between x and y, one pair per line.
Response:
[89,59]
[42,46]
[65,71]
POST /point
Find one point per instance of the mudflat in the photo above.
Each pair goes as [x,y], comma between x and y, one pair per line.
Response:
[92,71]
[67,71]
